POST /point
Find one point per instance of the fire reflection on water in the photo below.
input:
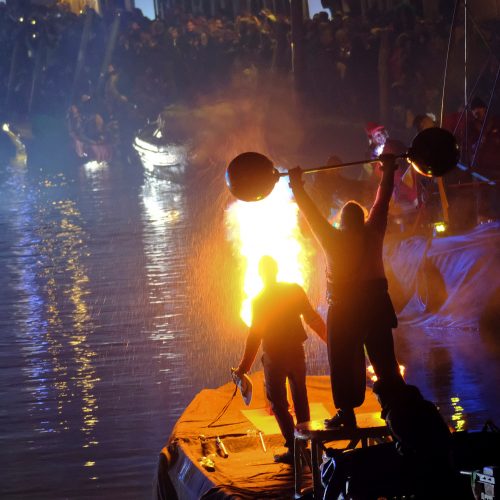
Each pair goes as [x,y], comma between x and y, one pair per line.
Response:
[457,418]
[164,219]
[66,280]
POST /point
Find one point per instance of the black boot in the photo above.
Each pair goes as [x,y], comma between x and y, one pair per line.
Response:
[344,418]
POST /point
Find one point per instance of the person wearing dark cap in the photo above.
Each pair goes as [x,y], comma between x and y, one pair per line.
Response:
[360,311]
[277,324]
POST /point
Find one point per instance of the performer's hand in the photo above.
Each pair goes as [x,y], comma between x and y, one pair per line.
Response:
[389,163]
[295,176]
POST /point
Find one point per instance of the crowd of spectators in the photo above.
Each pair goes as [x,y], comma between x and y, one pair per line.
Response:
[385,64]
[184,55]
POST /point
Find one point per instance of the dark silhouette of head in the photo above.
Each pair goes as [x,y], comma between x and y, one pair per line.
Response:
[268,270]
[352,216]
[478,108]
[422,122]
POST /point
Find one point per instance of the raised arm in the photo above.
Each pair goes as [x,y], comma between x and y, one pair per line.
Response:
[380,209]
[318,223]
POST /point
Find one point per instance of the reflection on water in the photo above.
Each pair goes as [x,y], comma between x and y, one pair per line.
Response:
[119,305]
[164,228]
[456,370]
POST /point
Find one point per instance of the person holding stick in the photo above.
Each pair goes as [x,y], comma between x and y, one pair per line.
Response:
[360,313]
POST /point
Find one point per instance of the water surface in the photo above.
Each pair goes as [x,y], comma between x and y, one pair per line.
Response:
[119,302]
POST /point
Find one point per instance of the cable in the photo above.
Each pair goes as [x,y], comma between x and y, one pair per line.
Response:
[224,408]
[446,60]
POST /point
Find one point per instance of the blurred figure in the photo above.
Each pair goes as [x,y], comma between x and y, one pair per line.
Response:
[423,122]
[485,134]
[405,180]
[486,147]
[377,137]
[277,324]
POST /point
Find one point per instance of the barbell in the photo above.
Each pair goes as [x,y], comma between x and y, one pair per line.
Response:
[252,176]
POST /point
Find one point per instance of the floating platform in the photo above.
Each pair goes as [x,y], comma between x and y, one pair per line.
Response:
[250,435]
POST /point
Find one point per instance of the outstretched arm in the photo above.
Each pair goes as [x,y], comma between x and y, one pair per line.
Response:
[251,347]
[319,224]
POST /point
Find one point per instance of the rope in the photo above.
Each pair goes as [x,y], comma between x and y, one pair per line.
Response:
[224,408]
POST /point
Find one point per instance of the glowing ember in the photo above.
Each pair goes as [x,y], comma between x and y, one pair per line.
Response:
[267,227]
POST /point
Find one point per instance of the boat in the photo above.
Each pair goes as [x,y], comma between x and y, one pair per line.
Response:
[159,155]
[221,449]
[440,284]
[191,466]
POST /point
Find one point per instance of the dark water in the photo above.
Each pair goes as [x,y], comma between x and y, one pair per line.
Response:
[119,302]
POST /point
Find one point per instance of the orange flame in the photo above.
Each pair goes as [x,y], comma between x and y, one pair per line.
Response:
[267,227]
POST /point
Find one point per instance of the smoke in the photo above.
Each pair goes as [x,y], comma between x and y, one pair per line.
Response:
[251,114]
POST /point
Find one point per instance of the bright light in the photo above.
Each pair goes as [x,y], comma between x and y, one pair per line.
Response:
[95,165]
[5,127]
[418,168]
[267,227]
[374,378]
[440,227]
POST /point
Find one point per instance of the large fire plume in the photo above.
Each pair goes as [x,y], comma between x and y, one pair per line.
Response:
[268,227]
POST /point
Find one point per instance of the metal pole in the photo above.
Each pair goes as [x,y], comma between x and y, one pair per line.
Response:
[383,58]
[442,192]
[297,22]
[13,67]
[82,53]
[36,72]
[110,47]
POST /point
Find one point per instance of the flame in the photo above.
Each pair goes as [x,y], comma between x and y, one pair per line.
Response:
[267,227]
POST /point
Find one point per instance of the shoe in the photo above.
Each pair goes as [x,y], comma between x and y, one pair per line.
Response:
[284,458]
[342,419]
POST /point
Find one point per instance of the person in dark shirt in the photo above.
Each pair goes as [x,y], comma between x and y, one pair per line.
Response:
[277,325]
[360,311]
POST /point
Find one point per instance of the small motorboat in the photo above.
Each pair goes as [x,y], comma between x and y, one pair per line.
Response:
[159,155]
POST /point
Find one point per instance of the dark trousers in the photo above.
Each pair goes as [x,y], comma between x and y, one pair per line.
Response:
[289,365]
[357,321]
